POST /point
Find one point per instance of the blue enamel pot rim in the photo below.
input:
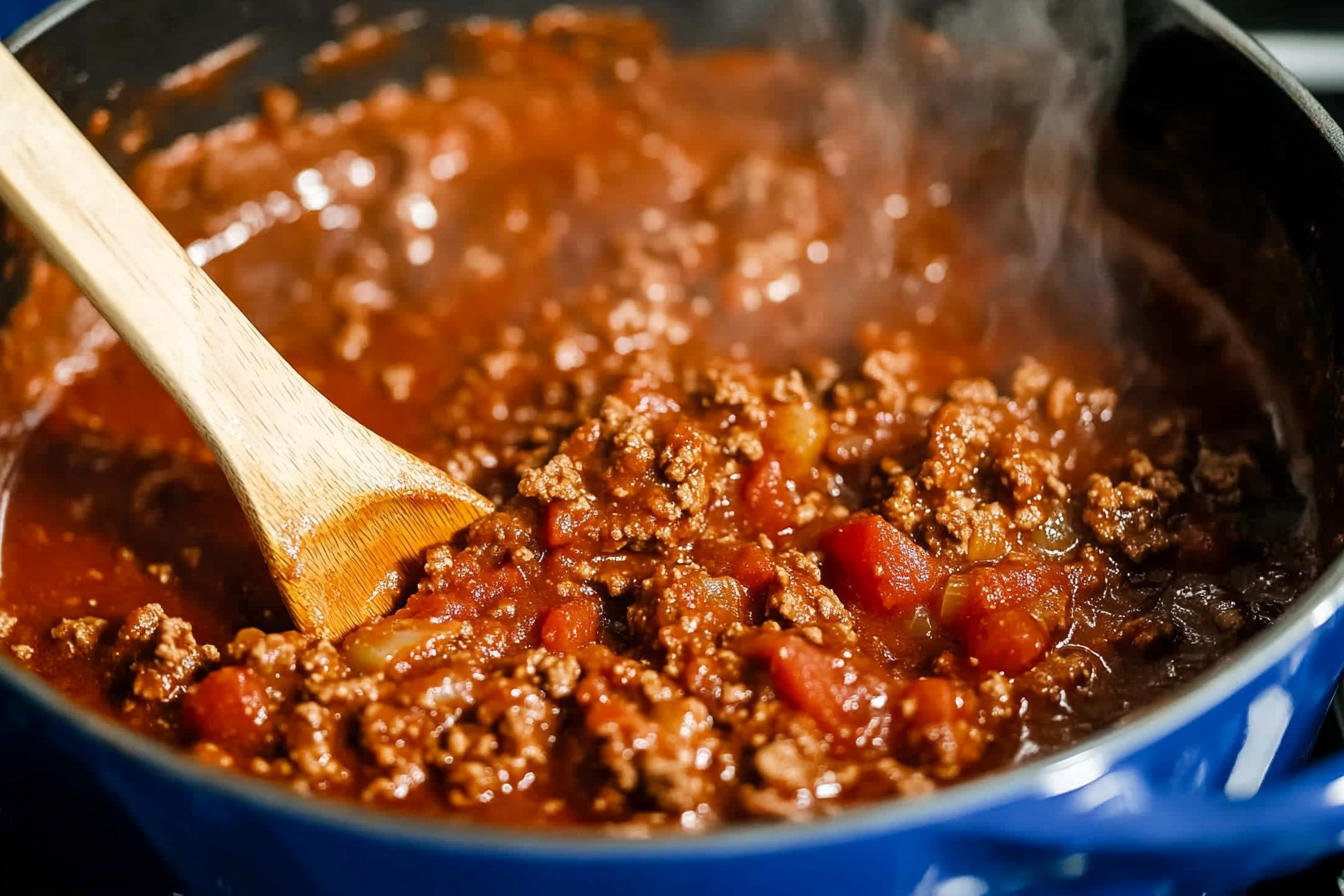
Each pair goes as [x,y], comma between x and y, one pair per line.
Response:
[1036,781]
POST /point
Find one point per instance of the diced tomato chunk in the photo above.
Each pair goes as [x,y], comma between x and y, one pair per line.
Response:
[571,626]
[1041,588]
[227,707]
[749,565]
[1008,640]
[607,711]
[564,520]
[770,496]
[839,697]
[873,564]
[721,601]
[754,569]
[930,701]
[646,394]
[560,564]
[466,592]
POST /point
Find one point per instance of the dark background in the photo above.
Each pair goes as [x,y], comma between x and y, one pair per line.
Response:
[58,839]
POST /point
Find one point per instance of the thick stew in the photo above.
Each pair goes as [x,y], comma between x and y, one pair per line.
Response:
[785,523]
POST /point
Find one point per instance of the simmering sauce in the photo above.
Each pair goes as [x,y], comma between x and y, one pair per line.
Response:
[780,530]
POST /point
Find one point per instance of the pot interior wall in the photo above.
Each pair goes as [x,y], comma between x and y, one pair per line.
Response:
[1215,162]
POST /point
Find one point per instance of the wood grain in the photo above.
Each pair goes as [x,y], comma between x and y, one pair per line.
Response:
[340,513]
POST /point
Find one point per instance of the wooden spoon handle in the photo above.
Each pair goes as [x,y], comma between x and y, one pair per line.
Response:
[338,511]
[224,374]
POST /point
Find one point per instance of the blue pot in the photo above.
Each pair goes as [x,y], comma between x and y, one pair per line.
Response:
[1215,153]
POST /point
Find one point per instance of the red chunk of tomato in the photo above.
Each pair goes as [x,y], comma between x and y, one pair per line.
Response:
[227,707]
[928,702]
[872,564]
[646,394]
[771,498]
[1041,588]
[1009,641]
[564,523]
[721,601]
[563,564]
[838,696]
[749,565]
[753,567]
[571,626]
[468,591]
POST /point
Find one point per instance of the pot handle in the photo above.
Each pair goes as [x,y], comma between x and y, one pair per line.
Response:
[1287,825]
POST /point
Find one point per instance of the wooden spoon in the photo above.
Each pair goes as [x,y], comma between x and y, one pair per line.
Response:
[341,514]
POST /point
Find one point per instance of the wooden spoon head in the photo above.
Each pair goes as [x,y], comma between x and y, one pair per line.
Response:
[352,566]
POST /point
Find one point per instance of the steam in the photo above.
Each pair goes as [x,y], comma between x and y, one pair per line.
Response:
[1017,90]
[1050,67]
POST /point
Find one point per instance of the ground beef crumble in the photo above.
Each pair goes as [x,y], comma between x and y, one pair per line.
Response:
[79,637]
[160,653]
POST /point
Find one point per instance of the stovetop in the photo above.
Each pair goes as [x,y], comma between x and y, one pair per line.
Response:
[78,845]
